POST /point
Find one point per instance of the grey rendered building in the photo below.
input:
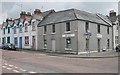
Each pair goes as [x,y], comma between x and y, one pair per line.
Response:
[66,31]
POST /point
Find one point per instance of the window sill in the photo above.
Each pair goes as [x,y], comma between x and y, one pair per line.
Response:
[44,48]
[67,32]
[68,49]
[53,33]
[26,45]
[44,34]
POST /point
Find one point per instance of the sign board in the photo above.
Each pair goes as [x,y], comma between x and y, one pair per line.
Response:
[68,35]
[99,36]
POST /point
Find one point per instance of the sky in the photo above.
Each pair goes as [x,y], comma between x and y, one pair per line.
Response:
[13,9]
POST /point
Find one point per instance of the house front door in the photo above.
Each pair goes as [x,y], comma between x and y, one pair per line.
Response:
[20,42]
[33,42]
[53,45]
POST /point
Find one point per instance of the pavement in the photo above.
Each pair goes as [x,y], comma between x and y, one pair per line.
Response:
[106,54]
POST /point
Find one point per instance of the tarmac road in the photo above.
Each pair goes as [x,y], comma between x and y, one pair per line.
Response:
[33,62]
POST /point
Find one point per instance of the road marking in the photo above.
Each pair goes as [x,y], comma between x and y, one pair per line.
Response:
[4,66]
[9,68]
[15,67]
[16,71]
[31,72]
[10,65]
[22,69]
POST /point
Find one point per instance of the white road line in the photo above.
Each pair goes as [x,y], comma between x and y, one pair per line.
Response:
[15,67]
[31,72]
[22,69]
[10,65]
[9,68]
[4,66]
[16,71]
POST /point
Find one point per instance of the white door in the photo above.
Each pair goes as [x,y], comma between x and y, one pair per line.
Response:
[53,45]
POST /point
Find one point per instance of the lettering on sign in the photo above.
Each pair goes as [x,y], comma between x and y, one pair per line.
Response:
[68,35]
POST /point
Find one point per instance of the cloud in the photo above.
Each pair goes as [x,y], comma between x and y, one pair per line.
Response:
[13,9]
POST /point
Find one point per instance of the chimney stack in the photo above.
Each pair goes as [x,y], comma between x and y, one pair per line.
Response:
[37,12]
[23,14]
[112,13]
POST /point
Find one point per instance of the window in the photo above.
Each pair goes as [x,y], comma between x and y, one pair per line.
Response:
[98,28]
[45,29]
[86,26]
[117,27]
[53,28]
[107,30]
[20,29]
[4,31]
[15,30]
[116,39]
[45,43]
[15,41]
[68,42]
[4,40]
[26,27]
[26,40]
[8,30]
[33,26]
[87,44]
[8,39]
[108,43]
[68,26]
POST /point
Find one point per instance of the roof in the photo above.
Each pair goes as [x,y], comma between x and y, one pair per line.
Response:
[105,18]
[71,14]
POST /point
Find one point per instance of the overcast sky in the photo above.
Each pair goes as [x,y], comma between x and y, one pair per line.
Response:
[12,9]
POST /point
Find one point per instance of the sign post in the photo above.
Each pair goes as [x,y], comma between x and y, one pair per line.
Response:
[88,34]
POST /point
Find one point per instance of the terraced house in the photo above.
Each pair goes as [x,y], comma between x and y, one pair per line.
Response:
[115,27]
[23,31]
[69,30]
[74,31]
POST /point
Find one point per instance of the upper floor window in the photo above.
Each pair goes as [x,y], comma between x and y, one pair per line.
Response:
[8,30]
[68,26]
[86,26]
[45,29]
[20,28]
[98,27]
[33,26]
[108,30]
[26,27]
[53,28]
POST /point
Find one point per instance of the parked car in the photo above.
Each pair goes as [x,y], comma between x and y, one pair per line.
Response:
[118,48]
[9,47]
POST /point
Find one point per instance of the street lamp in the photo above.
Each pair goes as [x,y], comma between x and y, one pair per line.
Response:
[88,34]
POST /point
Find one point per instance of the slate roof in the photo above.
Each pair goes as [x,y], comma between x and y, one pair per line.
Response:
[105,18]
[71,14]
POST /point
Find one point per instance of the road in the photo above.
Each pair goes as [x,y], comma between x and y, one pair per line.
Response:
[36,62]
